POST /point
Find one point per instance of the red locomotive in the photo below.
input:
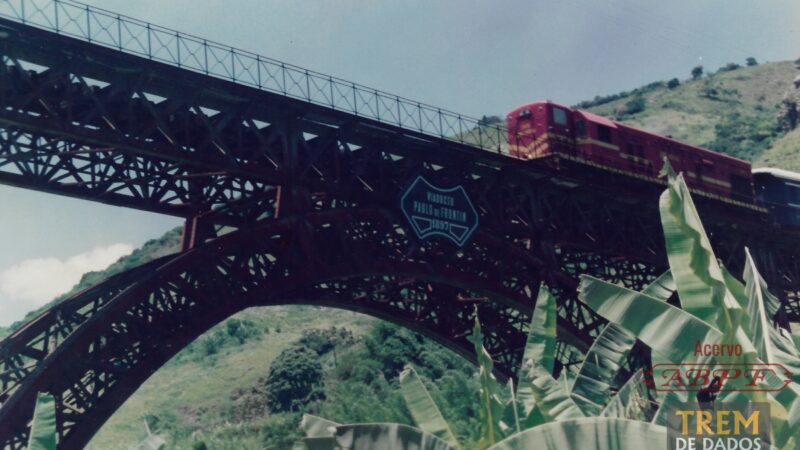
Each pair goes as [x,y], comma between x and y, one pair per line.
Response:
[542,129]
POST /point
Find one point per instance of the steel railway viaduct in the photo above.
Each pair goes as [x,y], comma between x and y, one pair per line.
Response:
[290,183]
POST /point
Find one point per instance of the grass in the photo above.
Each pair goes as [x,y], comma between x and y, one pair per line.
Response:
[700,111]
[785,153]
[191,398]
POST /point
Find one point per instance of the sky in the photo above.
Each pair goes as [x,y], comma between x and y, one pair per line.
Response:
[473,57]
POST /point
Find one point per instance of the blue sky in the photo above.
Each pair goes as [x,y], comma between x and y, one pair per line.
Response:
[472,57]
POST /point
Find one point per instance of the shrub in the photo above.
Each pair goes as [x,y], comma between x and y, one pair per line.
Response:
[673,83]
[212,344]
[294,379]
[697,72]
[633,106]
[752,62]
[731,66]
[281,431]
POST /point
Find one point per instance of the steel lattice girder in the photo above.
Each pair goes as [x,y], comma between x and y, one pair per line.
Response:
[120,144]
[93,123]
[355,259]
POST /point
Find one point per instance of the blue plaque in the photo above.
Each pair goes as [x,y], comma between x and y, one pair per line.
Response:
[434,211]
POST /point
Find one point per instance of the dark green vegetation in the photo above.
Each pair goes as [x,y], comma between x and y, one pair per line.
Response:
[215,394]
[243,390]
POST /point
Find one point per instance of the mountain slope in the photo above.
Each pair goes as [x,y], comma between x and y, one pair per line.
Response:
[731,111]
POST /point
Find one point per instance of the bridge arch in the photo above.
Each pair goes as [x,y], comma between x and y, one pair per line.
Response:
[93,351]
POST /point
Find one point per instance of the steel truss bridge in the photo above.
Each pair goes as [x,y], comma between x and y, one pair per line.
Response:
[289,183]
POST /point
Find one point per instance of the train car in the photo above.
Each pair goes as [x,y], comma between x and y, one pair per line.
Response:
[542,129]
[779,191]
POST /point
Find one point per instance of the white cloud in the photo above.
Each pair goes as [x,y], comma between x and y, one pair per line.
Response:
[34,282]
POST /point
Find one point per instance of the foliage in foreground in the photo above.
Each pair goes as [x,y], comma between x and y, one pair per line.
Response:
[567,412]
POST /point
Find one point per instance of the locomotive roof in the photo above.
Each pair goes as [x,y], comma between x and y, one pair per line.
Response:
[597,118]
[779,173]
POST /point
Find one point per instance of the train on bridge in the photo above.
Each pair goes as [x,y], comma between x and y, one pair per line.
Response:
[546,129]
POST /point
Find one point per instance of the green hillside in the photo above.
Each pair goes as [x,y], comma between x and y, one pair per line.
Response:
[214,395]
[731,111]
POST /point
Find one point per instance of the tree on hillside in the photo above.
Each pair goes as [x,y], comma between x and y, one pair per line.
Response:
[697,72]
[751,61]
[294,379]
[673,83]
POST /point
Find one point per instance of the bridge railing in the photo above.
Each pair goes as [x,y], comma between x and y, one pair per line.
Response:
[130,35]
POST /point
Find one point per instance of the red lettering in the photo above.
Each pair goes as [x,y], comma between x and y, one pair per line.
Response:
[757,374]
[699,376]
[674,377]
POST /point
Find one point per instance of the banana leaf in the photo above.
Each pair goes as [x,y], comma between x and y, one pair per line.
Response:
[319,433]
[662,287]
[595,381]
[511,414]
[314,426]
[631,401]
[386,436]
[552,396]
[771,345]
[540,349]
[541,344]
[670,399]
[43,426]
[490,405]
[698,276]
[588,433]
[736,288]
[665,328]
[422,407]
[789,398]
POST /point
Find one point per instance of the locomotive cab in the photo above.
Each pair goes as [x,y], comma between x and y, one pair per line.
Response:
[533,129]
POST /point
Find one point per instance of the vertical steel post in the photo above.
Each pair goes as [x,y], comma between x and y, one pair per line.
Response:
[205,56]
[258,71]
[355,100]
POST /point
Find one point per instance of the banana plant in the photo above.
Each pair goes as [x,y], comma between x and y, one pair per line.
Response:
[716,309]
[547,401]
[43,426]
